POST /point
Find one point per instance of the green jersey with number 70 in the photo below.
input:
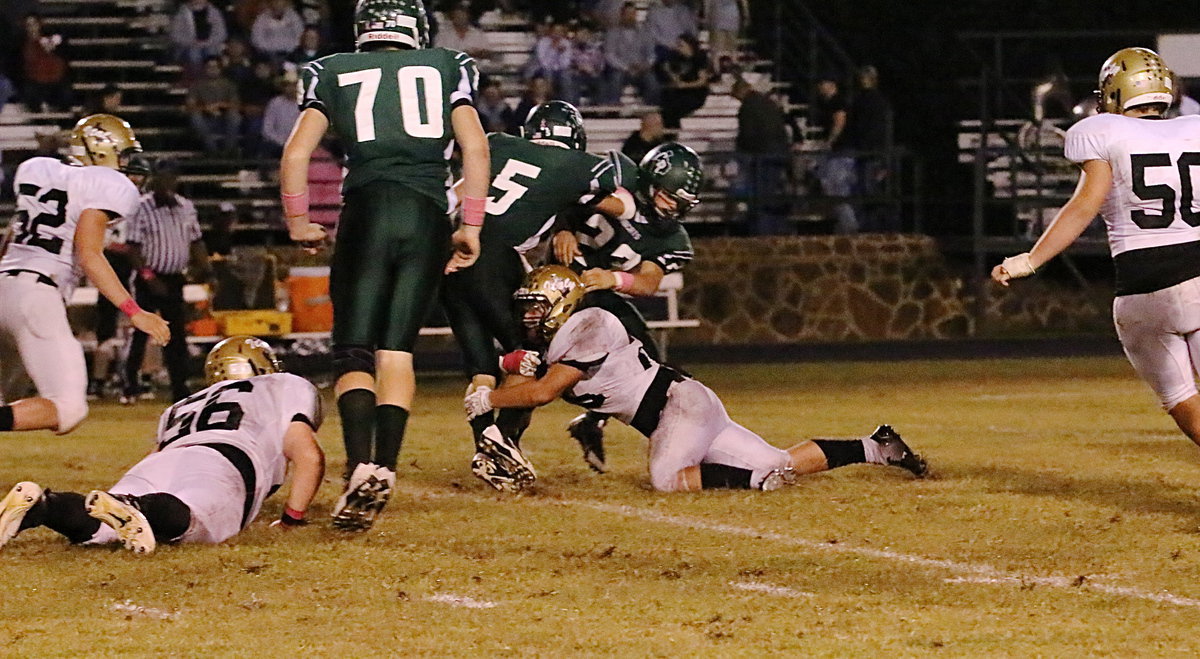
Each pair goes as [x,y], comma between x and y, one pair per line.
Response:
[391,109]
[532,182]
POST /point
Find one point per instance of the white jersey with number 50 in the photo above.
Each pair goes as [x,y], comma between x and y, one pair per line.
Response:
[51,196]
[616,371]
[1156,175]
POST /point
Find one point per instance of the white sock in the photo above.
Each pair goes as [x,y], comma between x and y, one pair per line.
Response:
[872,452]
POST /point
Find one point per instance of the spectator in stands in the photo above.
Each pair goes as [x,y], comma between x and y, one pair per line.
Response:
[836,170]
[7,90]
[325,185]
[310,48]
[278,118]
[724,19]
[219,239]
[107,100]
[197,32]
[763,146]
[607,13]
[315,14]
[276,31]
[868,137]
[254,95]
[238,62]
[1184,103]
[163,238]
[629,52]
[495,113]
[213,107]
[588,61]
[46,68]
[649,135]
[245,12]
[666,21]
[461,35]
[553,59]
[537,91]
[684,75]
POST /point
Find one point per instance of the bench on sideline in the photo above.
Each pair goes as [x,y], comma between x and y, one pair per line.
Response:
[661,326]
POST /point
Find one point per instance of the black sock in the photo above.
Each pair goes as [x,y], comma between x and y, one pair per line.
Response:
[168,516]
[596,418]
[512,422]
[357,409]
[6,418]
[390,421]
[480,424]
[841,452]
[65,513]
[714,475]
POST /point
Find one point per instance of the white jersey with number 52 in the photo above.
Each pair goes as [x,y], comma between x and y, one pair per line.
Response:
[1156,175]
[51,196]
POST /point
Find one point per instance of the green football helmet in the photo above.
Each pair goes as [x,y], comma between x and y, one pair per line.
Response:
[674,170]
[396,22]
[557,121]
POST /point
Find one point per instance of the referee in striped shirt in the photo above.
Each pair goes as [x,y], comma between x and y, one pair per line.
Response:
[163,237]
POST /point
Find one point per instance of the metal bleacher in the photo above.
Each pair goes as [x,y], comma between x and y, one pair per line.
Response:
[123,42]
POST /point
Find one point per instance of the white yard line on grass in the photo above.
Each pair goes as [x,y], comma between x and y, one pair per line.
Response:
[967,572]
[769,589]
[460,601]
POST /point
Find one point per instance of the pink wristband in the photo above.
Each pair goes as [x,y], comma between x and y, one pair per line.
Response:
[624,281]
[130,307]
[294,204]
[511,363]
[474,209]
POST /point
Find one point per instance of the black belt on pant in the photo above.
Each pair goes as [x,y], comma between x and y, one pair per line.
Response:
[240,461]
[41,278]
[650,409]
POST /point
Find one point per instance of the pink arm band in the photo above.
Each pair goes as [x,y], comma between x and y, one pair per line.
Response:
[624,281]
[130,307]
[473,211]
[294,204]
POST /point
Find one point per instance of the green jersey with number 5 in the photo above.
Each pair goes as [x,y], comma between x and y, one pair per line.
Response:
[532,182]
[391,109]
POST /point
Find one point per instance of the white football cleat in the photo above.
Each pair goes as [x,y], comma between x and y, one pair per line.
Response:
[20,499]
[120,511]
[500,463]
[367,492]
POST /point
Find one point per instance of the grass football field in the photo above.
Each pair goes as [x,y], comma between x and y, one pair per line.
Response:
[1061,519]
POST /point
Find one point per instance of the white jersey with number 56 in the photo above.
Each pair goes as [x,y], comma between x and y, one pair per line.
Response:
[51,196]
[1156,177]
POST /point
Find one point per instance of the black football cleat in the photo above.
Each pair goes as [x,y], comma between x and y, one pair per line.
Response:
[589,432]
[897,453]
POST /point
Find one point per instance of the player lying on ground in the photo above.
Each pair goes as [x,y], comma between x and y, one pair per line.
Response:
[1139,173]
[220,453]
[62,211]
[595,363]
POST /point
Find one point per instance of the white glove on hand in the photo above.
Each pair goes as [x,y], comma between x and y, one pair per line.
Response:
[478,402]
[521,362]
[1018,266]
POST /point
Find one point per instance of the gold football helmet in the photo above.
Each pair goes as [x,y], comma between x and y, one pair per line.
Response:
[1131,77]
[238,358]
[555,291]
[104,140]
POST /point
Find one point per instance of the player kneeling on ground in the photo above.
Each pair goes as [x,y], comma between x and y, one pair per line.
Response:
[220,453]
[594,363]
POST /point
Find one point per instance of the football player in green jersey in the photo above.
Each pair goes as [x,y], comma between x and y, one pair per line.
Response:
[536,177]
[629,257]
[398,106]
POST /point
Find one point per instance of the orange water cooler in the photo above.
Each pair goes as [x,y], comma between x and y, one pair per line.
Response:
[308,289]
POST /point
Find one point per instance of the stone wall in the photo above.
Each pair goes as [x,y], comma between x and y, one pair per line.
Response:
[821,288]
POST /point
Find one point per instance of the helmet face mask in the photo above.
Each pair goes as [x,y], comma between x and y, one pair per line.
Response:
[391,22]
[104,140]
[1133,77]
[669,180]
[556,121]
[238,358]
[547,298]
